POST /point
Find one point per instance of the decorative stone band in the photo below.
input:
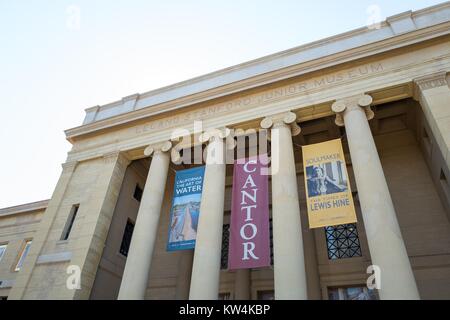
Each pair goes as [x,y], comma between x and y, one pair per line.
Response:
[282,119]
[117,156]
[54,257]
[69,166]
[430,81]
[6,283]
[340,107]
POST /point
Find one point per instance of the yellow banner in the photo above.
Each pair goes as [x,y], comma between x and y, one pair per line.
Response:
[328,193]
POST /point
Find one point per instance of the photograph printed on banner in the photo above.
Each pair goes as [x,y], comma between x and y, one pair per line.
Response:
[184,222]
[326,178]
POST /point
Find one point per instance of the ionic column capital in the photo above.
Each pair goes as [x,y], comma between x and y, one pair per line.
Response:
[282,119]
[342,106]
[216,140]
[430,81]
[212,134]
[164,146]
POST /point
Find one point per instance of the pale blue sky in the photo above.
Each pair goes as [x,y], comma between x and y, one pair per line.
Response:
[51,68]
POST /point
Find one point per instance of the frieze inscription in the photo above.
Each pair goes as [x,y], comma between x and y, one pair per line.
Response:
[261,98]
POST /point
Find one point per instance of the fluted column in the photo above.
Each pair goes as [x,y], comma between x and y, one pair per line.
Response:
[289,261]
[386,245]
[136,273]
[208,245]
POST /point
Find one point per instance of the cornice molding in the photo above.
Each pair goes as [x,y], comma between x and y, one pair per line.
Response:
[308,66]
[390,85]
[24,208]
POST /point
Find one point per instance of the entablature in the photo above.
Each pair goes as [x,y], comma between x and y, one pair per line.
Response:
[397,31]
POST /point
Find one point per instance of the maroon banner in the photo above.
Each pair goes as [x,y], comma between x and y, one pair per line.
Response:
[249,245]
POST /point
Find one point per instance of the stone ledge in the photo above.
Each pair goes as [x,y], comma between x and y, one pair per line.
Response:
[24,208]
[54,257]
[6,284]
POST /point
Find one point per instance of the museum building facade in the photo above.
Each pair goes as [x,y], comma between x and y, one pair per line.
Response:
[384,91]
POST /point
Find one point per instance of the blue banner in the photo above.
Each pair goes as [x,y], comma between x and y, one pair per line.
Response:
[187,194]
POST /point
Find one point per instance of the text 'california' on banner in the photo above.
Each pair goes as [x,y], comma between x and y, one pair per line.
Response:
[187,195]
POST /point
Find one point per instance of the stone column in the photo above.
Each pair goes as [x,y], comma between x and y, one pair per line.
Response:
[386,245]
[184,275]
[289,262]
[208,246]
[433,93]
[242,284]
[136,273]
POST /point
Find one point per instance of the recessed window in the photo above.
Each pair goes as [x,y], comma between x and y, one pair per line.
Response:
[224,296]
[352,293]
[69,222]
[271,240]
[342,241]
[226,240]
[2,250]
[425,134]
[444,182]
[266,295]
[225,243]
[23,255]
[426,141]
[443,177]
[138,193]
[126,239]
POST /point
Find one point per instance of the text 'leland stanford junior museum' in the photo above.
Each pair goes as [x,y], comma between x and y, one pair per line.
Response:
[319,172]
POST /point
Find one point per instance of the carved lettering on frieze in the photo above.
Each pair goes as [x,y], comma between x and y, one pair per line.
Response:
[261,98]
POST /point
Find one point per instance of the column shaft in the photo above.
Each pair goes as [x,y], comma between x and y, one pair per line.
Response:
[385,241]
[289,263]
[136,273]
[208,246]
[242,284]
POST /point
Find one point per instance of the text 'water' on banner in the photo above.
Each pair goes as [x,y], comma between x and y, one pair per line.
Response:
[249,245]
[184,214]
[328,195]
